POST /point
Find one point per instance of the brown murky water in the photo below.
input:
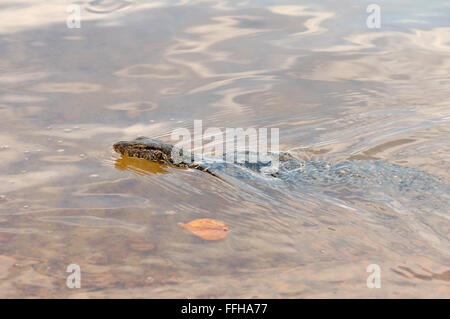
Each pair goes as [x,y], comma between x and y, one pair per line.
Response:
[336,89]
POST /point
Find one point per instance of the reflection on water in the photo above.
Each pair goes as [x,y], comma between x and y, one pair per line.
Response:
[337,91]
[105,6]
[429,275]
[138,166]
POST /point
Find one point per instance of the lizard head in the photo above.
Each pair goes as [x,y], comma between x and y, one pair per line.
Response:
[146,148]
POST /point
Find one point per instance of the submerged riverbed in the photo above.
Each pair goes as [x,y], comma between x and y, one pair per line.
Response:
[337,90]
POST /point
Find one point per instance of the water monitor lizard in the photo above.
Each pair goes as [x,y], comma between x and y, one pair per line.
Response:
[369,175]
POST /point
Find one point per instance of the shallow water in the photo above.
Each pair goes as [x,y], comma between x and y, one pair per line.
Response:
[337,90]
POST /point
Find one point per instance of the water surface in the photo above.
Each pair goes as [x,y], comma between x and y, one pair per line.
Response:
[337,90]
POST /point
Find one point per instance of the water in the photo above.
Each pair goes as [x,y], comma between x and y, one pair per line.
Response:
[337,90]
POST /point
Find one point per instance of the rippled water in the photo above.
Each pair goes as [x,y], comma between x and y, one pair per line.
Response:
[337,90]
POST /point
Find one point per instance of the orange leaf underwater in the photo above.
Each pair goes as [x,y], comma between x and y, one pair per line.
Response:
[208,229]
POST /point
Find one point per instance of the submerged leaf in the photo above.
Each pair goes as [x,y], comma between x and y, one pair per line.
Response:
[208,229]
